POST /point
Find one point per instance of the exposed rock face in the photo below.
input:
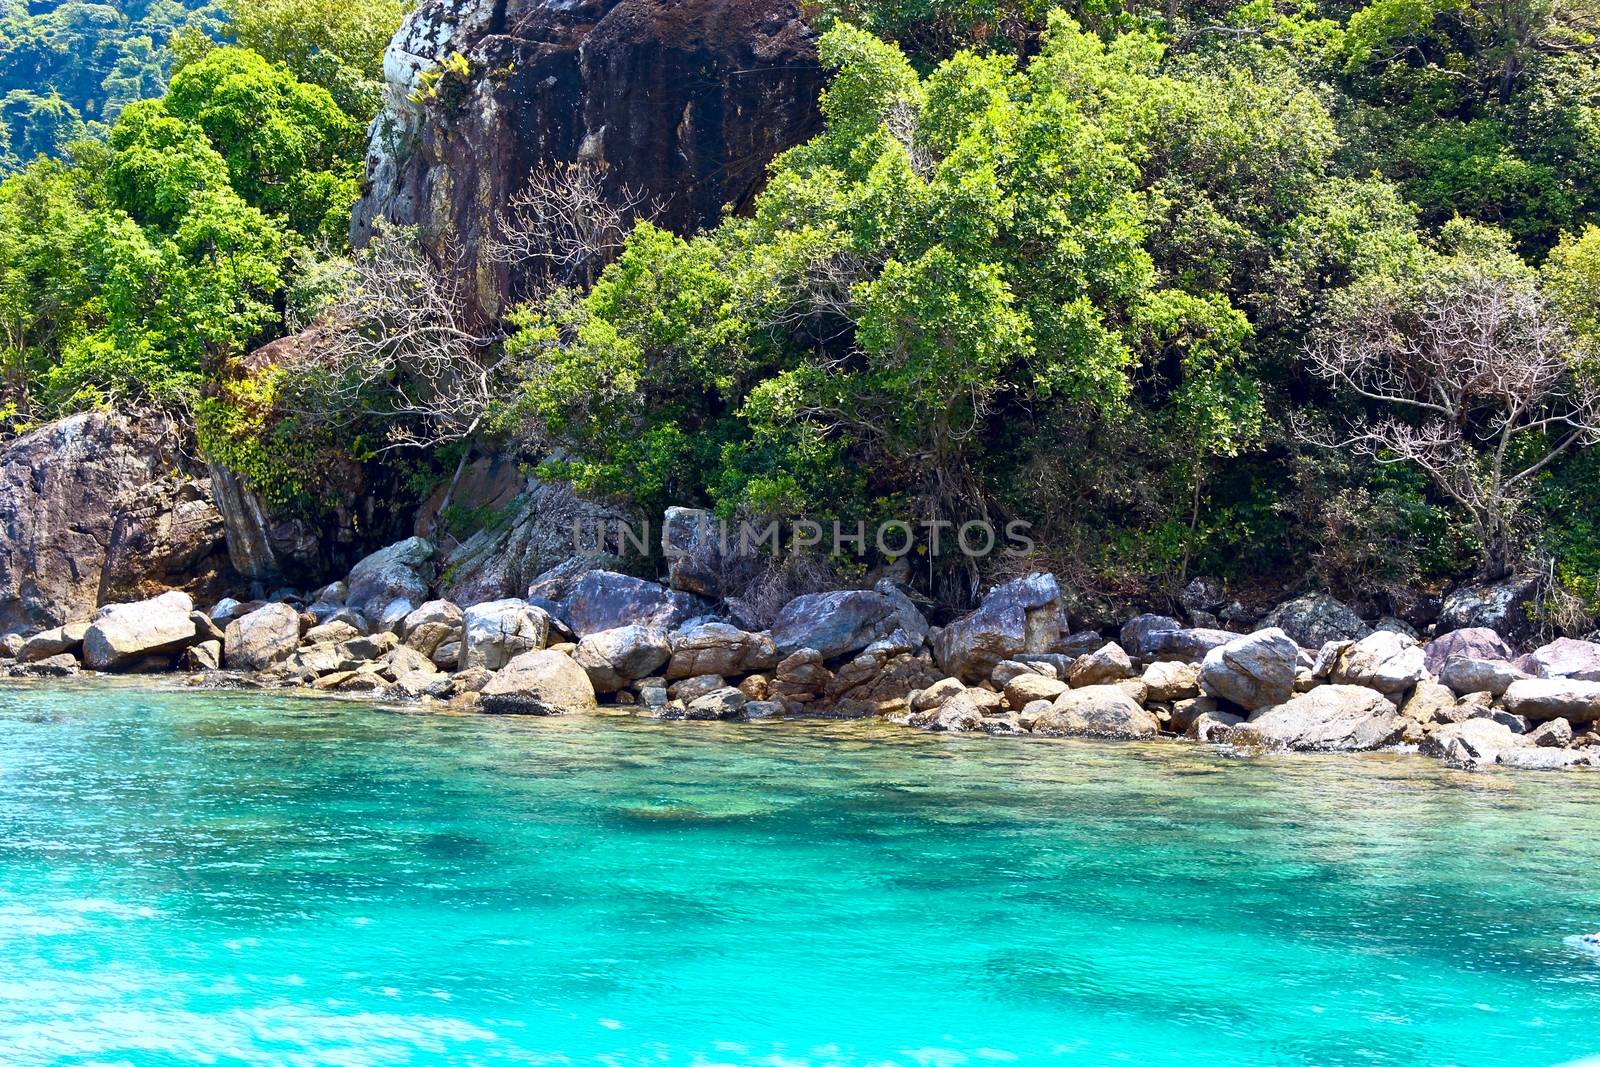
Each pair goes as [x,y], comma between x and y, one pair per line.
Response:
[1501,607]
[704,555]
[1136,630]
[1023,615]
[1490,676]
[1252,671]
[686,103]
[99,508]
[1329,718]
[524,538]
[1189,645]
[1315,619]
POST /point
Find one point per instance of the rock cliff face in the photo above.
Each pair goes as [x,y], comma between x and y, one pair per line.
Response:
[684,100]
[99,508]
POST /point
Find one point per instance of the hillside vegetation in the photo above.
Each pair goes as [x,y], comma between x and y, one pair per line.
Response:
[1286,294]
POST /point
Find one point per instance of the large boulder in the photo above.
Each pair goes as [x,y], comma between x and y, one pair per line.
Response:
[1343,718]
[1168,680]
[540,682]
[1023,615]
[1490,676]
[682,104]
[845,621]
[1313,620]
[1472,642]
[1384,660]
[1471,743]
[706,555]
[1108,663]
[431,625]
[495,633]
[1503,606]
[1137,629]
[605,600]
[1252,671]
[719,648]
[615,659]
[123,634]
[1097,711]
[265,636]
[391,583]
[1566,658]
[1189,645]
[99,508]
[53,642]
[1539,699]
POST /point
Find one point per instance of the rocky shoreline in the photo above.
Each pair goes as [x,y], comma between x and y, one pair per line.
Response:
[1311,677]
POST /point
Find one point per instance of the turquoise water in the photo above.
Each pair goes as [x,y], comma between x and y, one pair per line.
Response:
[241,879]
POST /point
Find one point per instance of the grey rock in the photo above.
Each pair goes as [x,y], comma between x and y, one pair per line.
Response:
[53,642]
[1168,680]
[389,584]
[1567,658]
[1253,671]
[1384,660]
[101,507]
[1475,642]
[121,634]
[1539,699]
[1557,733]
[614,659]
[1315,619]
[1465,676]
[1097,711]
[718,648]
[266,636]
[605,600]
[1503,607]
[704,554]
[495,633]
[842,622]
[431,625]
[724,703]
[1330,718]
[1136,629]
[57,666]
[1190,645]
[1107,664]
[1471,743]
[1213,727]
[1021,616]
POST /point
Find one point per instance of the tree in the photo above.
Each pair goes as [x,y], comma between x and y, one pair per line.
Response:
[1475,381]
[396,347]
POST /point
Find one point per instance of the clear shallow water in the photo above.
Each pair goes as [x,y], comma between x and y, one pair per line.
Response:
[241,879]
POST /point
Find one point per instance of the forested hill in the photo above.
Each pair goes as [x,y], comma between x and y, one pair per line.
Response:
[1278,293]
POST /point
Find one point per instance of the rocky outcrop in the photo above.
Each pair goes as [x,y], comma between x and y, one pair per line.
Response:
[1504,607]
[1021,616]
[1552,698]
[685,103]
[1383,660]
[1567,658]
[616,658]
[605,600]
[266,636]
[495,633]
[1104,711]
[839,623]
[1472,642]
[98,508]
